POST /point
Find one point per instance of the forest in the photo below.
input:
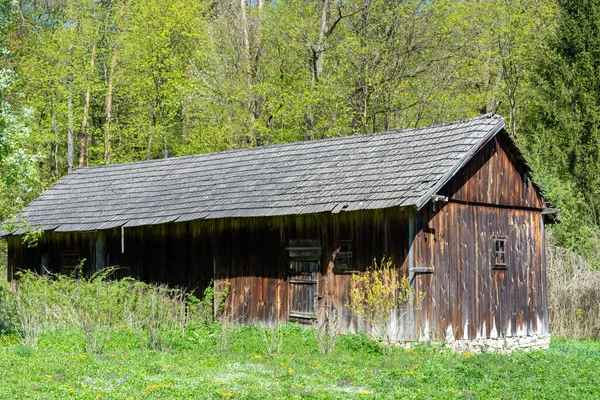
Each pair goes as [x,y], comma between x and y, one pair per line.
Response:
[88,82]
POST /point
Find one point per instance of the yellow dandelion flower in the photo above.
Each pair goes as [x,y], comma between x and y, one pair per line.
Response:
[316,364]
[71,390]
[364,393]
[225,394]
[326,372]
[290,371]
[159,386]
[256,357]
[99,395]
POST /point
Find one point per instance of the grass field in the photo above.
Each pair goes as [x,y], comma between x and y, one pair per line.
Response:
[194,369]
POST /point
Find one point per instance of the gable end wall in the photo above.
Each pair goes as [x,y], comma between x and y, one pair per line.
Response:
[466,298]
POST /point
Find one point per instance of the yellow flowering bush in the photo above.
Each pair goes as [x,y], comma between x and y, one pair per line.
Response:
[378,294]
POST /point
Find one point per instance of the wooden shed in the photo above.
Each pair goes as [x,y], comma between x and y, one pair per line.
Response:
[453,205]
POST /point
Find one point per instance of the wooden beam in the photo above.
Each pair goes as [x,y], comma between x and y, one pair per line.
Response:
[411,242]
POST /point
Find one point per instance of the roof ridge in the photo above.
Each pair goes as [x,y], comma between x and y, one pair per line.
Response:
[287,144]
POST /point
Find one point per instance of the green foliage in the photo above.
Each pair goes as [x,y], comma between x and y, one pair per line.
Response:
[23,350]
[209,308]
[157,314]
[561,132]
[573,295]
[381,298]
[272,339]
[19,179]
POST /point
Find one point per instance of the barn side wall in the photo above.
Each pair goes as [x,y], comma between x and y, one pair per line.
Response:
[467,297]
[249,255]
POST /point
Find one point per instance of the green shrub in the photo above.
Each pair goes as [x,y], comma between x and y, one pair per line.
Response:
[327,332]
[6,309]
[204,311]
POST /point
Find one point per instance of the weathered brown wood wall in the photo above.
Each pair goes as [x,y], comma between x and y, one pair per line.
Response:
[466,297]
[249,254]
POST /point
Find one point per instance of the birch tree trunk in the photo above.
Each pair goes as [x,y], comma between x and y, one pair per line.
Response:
[54,145]
[316,64]
[108,106]
[70,125]
[247,65]
[246,40]
[110,83]
[86,104]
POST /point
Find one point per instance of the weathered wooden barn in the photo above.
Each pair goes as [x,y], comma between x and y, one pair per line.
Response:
[453,205]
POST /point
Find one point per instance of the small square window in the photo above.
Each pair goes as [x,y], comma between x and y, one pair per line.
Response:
[499,255]
[343,259]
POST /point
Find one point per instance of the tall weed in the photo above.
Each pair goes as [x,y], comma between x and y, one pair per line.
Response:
[327,332]
[573,294]
[156,314]
[272,338]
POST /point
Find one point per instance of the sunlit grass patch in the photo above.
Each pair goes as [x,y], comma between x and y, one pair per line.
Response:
[355,370]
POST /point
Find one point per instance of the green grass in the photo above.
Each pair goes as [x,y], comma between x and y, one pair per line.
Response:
[58,368]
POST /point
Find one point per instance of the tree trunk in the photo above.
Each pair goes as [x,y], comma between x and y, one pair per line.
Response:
[246,40]
[54,146]
[316,66]
[165,147]
[70,125]
[248,69]
[185,111]
[150,140]
[320,48]
[109,87]
[86,104]
[108,106]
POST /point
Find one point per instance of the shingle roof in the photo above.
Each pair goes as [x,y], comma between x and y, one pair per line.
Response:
[400,168]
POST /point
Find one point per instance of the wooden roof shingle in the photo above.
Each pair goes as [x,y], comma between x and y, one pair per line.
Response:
[389,169]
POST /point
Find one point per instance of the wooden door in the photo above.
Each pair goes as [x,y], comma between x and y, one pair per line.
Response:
[303,276]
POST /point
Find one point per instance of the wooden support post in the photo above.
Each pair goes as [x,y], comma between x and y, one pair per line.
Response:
[122,240]
[411,245]
[99,251]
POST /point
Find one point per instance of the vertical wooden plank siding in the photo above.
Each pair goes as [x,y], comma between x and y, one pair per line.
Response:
[466,297]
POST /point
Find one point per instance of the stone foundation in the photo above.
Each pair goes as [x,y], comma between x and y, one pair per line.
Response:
[501,345]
